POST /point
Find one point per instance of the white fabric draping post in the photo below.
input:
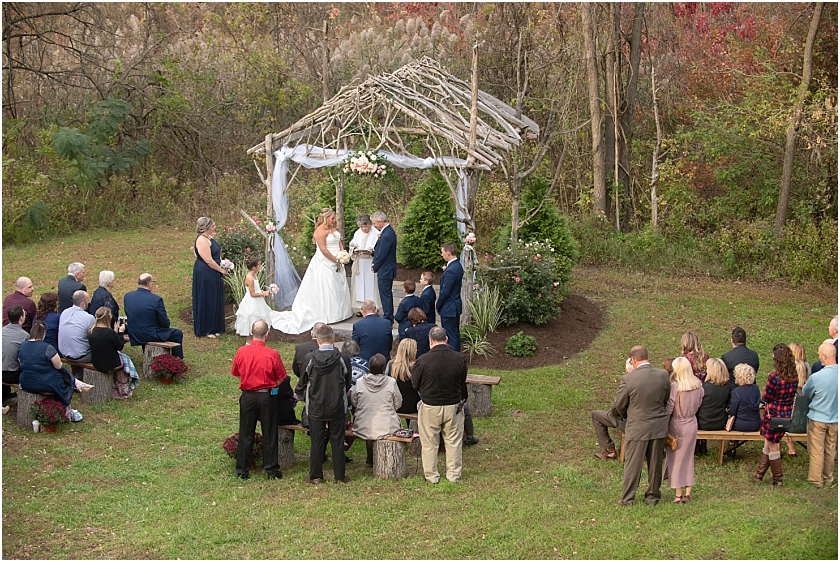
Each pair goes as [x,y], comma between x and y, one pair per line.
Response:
[309,156]
[285,275]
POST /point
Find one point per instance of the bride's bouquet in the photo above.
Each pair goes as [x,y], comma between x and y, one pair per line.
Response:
[342,258]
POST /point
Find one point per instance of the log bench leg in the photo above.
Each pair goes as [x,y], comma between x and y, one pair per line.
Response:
[103,385]
[479,399]
[25,399]
[415,449]
[388,459]
[149,355]
[285,448]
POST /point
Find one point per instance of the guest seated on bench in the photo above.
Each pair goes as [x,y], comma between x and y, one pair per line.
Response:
[716,395]
[801,405]
[147,317]
[46,313]
[744,404]
[398,369]
[106,349]
[358,365]
[13,336]
[73,326]
[376,400]
[419,330]
[102,296]
[41,371]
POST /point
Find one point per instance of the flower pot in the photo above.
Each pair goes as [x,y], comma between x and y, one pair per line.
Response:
[49,428]
[164,380]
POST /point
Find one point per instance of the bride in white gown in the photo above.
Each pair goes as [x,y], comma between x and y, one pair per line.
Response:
[323,295]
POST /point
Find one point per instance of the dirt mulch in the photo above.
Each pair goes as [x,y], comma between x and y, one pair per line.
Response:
[579,323]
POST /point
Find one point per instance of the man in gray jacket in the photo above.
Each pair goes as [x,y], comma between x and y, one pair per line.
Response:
[641,398]
[323,386]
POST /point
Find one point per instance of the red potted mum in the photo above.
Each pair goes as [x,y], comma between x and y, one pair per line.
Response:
[49,412]
[167,368]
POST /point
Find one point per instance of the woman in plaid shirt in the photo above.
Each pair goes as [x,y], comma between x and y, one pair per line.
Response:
[778,395]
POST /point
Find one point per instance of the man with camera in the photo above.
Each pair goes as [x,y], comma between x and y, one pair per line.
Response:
[440,376]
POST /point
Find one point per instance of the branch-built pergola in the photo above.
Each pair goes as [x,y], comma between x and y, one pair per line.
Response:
[462,128]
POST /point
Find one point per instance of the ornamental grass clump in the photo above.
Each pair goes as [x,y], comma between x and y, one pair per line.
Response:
[474,342]
[532,279]
[167,366]
[48,411]
[231,445]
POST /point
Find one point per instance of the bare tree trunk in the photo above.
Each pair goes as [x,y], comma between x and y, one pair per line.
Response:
[629,107]
[325,91]
[795,119]
[599,180]
[611,99]
[654,174]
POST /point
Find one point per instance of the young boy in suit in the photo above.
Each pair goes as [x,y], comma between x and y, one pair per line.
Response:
[406,303]
[428,296]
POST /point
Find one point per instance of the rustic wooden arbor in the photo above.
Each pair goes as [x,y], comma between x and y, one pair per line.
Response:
[461,128]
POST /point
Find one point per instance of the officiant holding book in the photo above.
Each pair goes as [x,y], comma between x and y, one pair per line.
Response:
[363,281]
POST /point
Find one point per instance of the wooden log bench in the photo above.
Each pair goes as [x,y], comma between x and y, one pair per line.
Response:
[724,436]
[153,349]
[103,383]
[414,449]
[24,400]
[480,388]
[388,453]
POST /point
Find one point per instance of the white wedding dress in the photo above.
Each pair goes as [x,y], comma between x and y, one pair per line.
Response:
[323,295]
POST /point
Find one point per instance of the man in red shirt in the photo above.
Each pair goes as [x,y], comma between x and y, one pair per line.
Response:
[260,371]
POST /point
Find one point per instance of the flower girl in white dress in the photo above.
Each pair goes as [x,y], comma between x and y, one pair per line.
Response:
[253,306]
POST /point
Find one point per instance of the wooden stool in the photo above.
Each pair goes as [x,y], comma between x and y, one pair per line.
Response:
[25,400]
[285,448]
[103,384]
[480,389]
[153,349]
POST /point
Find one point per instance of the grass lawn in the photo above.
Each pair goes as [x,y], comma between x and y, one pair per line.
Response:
[147,477]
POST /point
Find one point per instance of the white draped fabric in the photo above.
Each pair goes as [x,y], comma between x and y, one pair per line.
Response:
[310,156]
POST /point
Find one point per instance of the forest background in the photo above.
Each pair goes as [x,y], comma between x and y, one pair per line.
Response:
[125,115]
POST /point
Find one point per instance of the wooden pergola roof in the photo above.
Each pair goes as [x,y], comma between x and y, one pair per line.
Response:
[419,99]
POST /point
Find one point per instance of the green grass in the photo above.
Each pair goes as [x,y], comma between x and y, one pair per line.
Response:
[147,477]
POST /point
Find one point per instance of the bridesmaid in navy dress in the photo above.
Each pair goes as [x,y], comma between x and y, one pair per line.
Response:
[208,290]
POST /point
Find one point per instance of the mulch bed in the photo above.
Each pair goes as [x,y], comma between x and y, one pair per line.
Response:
[578,325]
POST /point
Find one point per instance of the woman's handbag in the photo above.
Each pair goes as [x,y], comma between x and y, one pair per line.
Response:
[730,422]
[780,424]
[671,440]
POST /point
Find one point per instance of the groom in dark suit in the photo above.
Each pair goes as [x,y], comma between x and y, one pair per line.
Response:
[641,398]
[449,300]
[385,263]
[147,319]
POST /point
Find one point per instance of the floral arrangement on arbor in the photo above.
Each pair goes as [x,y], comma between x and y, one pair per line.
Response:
[48,411]
[231,445]
[365,162]
[167,366]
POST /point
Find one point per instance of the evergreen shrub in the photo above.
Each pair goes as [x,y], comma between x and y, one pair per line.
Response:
[429,221]
[521,345]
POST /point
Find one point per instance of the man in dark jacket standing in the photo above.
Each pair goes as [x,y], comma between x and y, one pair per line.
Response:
[739,353]
[441,378]
[641,398]
[323,386]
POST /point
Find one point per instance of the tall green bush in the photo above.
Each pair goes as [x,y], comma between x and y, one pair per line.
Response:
[547,224]
[429,222]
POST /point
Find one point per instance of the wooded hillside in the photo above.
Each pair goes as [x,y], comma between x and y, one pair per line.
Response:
[658,122]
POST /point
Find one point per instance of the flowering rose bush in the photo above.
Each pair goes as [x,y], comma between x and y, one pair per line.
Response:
[240,241]
[532,279]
